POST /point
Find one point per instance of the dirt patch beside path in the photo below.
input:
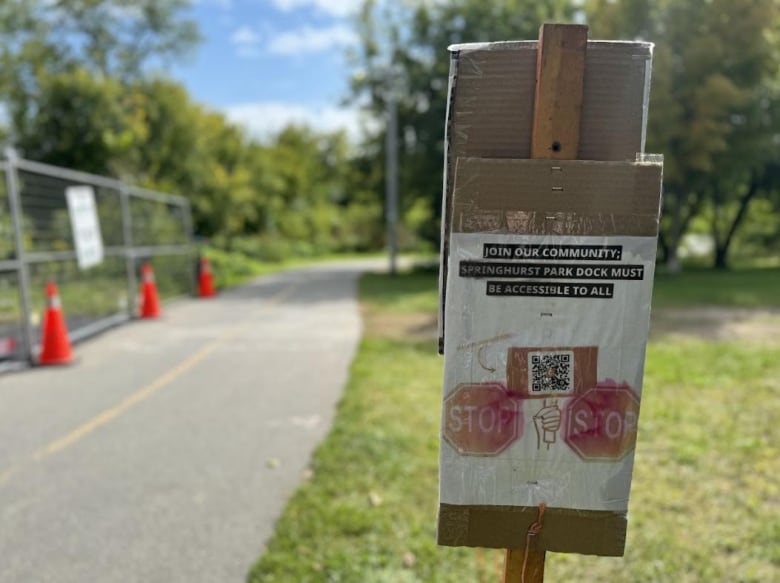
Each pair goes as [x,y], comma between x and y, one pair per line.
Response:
[713,323]
[408,326]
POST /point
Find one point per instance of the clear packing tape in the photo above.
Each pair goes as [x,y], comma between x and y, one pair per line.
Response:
[546,291]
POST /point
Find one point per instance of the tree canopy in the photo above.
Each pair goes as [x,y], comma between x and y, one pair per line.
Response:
[714,97]
[404,50]
[82,86]
[714,103]
[81,81]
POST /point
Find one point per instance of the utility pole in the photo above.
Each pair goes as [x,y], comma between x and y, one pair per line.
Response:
[391,179]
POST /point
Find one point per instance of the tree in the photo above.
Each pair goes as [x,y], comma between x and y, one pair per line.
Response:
[313,194]
[403,49]
[713,103]
[77,77]
[122,38]
[80,121]
[118,39]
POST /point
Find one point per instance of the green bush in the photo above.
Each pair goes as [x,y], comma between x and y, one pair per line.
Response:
[232,268]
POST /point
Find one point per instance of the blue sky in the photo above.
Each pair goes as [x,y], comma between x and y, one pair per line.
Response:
[268,62]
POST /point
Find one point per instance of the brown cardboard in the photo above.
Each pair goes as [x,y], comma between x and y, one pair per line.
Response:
[539,197]
[588,532]
[585,368]
[493,100]
[572,197]
[491,185]
[491,104]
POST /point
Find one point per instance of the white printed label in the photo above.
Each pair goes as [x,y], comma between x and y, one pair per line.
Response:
[85,225]
[550,333]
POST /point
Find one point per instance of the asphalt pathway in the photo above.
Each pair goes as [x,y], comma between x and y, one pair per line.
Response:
[169,450]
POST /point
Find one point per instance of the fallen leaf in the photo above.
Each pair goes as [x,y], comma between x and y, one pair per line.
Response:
[409,560]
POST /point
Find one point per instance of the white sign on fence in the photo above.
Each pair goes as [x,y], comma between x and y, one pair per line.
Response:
[85,226]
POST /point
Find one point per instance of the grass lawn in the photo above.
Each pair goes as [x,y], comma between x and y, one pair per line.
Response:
[705,503]
[232,269]
[738,288]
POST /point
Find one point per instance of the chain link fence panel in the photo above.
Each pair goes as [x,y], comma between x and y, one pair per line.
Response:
[37,246]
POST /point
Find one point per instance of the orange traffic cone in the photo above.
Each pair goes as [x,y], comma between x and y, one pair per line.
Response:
[7,346]
[150,303]
[55,345]
[206,279]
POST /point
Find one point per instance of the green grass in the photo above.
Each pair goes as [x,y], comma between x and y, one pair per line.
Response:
[738,288]
[373,495]
[750,288]
[408,293]
[705,502]
[233,268]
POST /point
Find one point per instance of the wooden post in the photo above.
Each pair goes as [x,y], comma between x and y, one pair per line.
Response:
[534,567]
[560,70]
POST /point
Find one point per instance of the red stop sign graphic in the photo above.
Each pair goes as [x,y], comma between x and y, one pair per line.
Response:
[601,423]
[481,419]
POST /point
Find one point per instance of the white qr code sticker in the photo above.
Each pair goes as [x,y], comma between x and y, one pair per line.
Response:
[551,373]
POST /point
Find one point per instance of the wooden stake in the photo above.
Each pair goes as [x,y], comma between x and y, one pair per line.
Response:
[560,70]
[534,567]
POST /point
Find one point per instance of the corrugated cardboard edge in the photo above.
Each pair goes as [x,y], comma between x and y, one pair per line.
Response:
[446,210]
[588,532]
[532,44]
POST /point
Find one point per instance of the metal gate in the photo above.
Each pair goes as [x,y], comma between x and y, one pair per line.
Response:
[37,246]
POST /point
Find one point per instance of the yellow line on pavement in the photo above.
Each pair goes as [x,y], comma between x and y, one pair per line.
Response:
[110,414]
[141,394]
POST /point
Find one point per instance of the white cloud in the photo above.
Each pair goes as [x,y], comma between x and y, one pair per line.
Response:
[264,119]
[223,4]
[244,35]
[312,40]
[246,41]
[332,7]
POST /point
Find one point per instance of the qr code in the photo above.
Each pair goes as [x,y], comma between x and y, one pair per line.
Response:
[551,373]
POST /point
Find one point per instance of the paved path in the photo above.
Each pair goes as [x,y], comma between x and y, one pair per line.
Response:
[167,453]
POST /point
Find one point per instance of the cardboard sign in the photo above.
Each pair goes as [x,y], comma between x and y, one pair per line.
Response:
[85,225]
[546,285]
[491,109]
[554,307]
